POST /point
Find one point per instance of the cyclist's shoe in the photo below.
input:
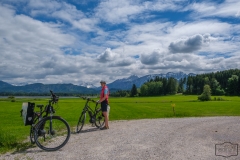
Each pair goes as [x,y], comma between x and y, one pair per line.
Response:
[103,128]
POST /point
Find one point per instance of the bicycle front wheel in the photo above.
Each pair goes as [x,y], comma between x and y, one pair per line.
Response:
[52,133]
[100,120]
[32,129]
[81,122]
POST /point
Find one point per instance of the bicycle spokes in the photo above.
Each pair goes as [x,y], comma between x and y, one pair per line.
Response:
[99,119]
[81,122]
[54,134]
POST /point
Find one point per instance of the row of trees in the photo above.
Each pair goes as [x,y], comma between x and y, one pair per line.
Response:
[154,87]
[219,83]
[159,86]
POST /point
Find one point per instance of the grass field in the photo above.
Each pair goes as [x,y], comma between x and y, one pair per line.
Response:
[14,135]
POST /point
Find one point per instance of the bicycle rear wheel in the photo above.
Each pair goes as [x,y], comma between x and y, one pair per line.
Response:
[100,120]
[52,133]
[81,122]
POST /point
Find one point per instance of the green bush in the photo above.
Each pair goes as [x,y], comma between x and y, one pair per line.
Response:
[206,95]
[11,97]
[218,99]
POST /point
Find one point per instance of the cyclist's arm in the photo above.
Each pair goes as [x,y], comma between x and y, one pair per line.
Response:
[105,96]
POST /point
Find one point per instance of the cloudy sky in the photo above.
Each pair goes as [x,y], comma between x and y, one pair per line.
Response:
[70,41]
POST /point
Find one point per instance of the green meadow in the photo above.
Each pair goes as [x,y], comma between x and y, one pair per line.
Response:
[15,136]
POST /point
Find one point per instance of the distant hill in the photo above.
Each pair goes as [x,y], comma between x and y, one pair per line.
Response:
[4,84]
[120,84]
[44,88]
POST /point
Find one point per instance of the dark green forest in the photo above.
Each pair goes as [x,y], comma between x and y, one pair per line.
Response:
[221,83]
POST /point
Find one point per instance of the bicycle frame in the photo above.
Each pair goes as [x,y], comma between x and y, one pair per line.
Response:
[48,110]
[49,128]
[87,109]
[94,114]
[38,116]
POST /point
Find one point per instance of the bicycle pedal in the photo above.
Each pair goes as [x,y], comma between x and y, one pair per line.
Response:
[41,132]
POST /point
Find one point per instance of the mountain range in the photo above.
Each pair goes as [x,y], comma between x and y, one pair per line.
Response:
[120,84]
[127,83]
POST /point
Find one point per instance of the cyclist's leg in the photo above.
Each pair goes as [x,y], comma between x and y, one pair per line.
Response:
[106,119]
[104,106]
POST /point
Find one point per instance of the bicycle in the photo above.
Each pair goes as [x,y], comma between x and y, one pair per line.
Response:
[95,115]
[49,132]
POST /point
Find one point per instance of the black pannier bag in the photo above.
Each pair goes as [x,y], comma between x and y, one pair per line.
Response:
[28,113]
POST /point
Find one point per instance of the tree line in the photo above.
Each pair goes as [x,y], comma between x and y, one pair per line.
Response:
[220,83]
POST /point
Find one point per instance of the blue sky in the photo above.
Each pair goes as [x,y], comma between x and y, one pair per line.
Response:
[57,41]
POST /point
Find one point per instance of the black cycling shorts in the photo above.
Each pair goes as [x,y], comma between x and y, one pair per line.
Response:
[104,106]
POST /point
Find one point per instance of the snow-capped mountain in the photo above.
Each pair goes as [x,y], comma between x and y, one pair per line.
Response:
[126,83]
[129,79]
[20,84]
[87,85]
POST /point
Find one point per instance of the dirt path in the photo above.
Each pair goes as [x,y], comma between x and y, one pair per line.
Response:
[164,139]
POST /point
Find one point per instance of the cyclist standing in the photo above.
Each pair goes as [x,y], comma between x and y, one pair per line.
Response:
[104,102]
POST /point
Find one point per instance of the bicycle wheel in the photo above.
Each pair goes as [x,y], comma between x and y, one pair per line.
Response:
[100,120]
[52,133]
[32,129]
[32,135]
[81,122]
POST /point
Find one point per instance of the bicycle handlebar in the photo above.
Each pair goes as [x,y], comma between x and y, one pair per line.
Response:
[89,99]
[54,97]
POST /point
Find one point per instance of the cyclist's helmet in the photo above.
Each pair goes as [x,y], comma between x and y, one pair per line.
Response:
[102,81]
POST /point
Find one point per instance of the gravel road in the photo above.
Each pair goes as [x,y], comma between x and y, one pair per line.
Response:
[154,139]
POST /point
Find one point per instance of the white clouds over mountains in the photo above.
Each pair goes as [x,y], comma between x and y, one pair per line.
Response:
[74,41]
